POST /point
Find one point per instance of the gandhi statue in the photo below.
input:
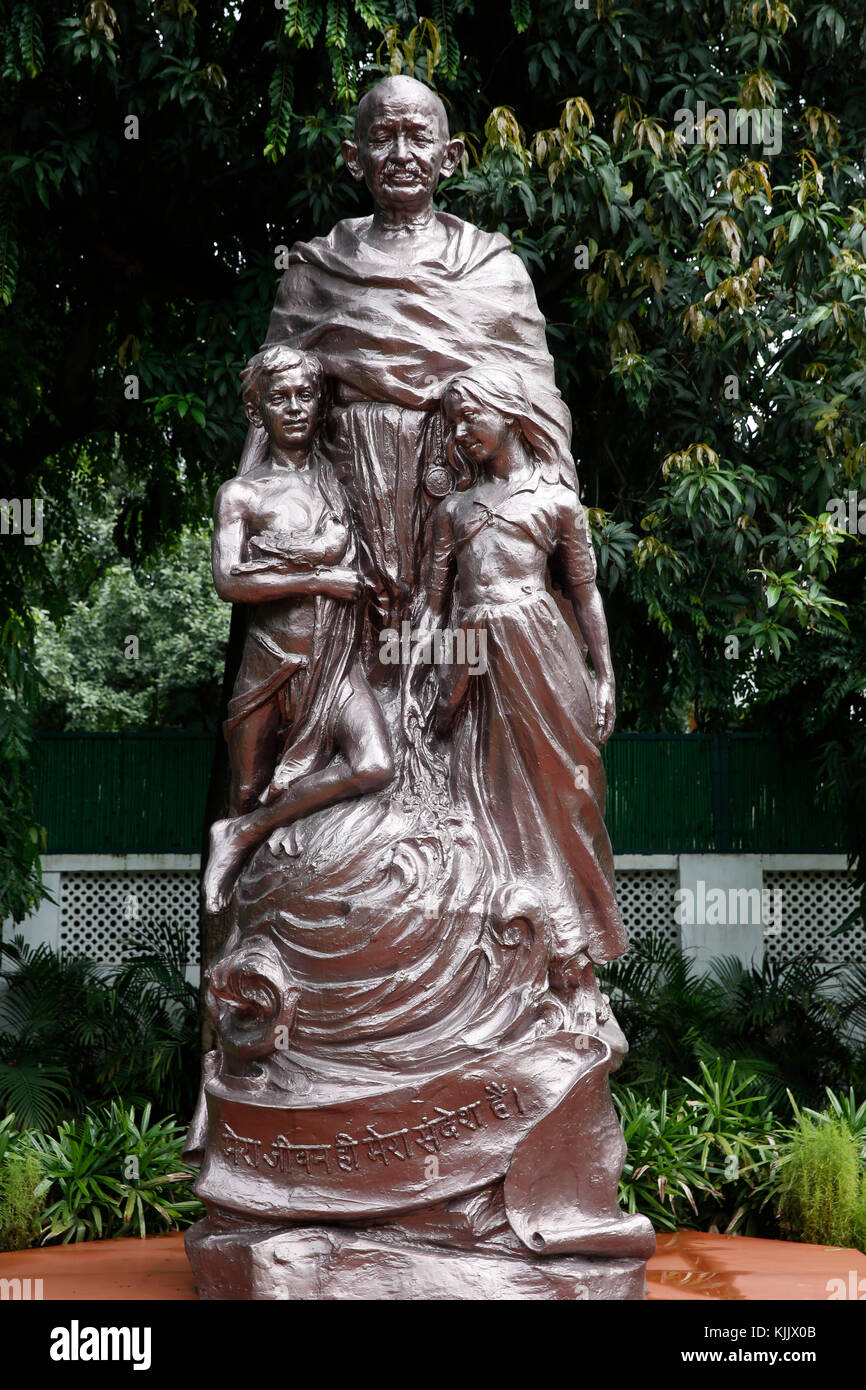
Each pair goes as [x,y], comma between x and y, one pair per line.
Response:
[394,304]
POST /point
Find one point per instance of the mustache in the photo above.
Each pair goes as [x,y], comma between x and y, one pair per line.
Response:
[413,168]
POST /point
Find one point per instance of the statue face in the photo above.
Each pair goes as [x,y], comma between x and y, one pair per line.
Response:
[403,148]
[481,433]
[289,408]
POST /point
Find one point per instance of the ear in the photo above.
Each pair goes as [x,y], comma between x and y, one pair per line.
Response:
[253,413]
[453,155]
[352,159]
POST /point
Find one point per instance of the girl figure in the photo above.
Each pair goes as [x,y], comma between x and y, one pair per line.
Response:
[526,731]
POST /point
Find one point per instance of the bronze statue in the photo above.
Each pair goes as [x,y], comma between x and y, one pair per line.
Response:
[393,305]
[411,1097]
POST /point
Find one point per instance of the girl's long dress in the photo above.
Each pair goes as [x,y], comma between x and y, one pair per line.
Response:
[525,759]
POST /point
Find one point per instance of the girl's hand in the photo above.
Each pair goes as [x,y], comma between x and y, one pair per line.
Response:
[605,699]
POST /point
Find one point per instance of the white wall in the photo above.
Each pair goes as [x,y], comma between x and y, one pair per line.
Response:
[697,875]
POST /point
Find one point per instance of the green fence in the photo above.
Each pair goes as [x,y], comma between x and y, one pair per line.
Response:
[674,793]
[122,793]
[724,793]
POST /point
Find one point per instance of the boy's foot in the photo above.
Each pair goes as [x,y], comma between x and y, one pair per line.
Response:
[229,847]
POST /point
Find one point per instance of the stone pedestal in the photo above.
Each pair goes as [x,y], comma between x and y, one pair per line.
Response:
[496,1180]
[307,1263]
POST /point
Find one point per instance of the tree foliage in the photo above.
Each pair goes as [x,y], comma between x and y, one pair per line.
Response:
[705,297]
[142,648]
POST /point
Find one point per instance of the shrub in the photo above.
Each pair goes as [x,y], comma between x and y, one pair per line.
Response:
[74,1033]
[696,1159]
[107,1174]
[663,1175]
[795,1025]
[859,1234]
[20,1200]
[821,1194]
[845,1109]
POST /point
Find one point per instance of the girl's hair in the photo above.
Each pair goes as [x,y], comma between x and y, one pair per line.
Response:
[259,370]
[500,389]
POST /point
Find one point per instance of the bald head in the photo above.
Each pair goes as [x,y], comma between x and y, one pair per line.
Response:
[405,92]
[401,147]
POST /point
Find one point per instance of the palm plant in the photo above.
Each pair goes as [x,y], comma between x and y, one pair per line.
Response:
[796,1025]
[663,1006]
[109,1174]
[787,1021]
[73,1032]
[699,1158]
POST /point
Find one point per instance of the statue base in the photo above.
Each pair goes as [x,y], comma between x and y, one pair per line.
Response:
[306,1263]
[494,1180]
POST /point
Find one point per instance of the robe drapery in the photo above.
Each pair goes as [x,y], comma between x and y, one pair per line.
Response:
[396,332]
[390,334]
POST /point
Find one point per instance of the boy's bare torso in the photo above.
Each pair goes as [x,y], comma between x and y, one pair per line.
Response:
[284,507]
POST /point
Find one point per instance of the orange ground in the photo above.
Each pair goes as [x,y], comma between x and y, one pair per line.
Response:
[687,1265]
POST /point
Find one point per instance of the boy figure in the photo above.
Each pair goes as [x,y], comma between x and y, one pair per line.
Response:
[283,543]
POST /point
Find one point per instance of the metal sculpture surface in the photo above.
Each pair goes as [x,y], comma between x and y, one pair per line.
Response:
[411,1095]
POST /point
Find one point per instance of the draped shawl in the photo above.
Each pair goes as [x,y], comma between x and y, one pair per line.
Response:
[394,331]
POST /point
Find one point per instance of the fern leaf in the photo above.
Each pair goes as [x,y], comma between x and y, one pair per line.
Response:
[312,14]
[292,27]
[303,21]
[450,63]
[343,88]
[337,25]
[30,41]
[373,14]
[281,92]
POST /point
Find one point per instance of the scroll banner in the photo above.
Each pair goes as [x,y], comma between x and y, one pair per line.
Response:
[390,1152]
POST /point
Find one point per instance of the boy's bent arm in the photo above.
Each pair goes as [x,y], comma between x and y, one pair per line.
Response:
[252,585]
[325,547]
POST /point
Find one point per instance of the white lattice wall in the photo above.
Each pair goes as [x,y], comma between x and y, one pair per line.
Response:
[98,911]
[646,902]
[813,902]
[99,901]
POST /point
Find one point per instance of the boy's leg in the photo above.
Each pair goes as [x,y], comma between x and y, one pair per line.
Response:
[253,740]
[253,747]
[361,736]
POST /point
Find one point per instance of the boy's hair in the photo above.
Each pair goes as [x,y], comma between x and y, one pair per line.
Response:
[259,370]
